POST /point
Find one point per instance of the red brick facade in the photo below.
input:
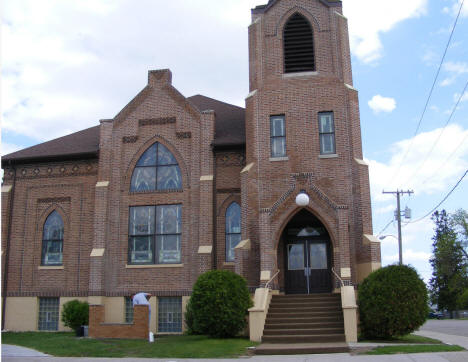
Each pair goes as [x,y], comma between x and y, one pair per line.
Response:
[93,195]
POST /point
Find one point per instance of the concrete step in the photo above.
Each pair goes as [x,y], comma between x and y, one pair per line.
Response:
[319,318]
[301,348]
[303,332]
[304,303]
[309,314]
[304,338]
[286,309]
[307,296]
[300,324]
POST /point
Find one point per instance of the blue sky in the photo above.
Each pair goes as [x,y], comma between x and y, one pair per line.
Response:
[67,64]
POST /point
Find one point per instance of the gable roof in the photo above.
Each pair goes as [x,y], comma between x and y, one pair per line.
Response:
[229,133]
[230,121]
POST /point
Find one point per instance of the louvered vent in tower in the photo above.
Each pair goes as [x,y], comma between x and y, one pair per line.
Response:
[298,45]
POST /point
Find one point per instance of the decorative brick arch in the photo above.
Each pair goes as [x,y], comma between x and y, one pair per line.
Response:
[178,156]
[300,10]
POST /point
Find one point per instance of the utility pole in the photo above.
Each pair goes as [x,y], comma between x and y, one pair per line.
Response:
[398,216]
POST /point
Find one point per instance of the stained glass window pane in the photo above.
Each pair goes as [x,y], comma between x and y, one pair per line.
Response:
[233,218]
[231,242]
[141,249]
[142,220]
[169,314]
[165,157]
[277,126]
[169,219]
[52,253]
[168,249]
[169,178]
[149,157]
[318,256]
[295,256]
[143,179]
[278,147]
[53,227]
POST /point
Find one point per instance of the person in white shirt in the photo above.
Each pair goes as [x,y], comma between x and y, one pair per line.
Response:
[142,299]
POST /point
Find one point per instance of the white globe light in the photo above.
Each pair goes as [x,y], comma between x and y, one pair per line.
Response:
[302,199]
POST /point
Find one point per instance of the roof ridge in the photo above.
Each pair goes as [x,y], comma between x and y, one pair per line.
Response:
[214,99]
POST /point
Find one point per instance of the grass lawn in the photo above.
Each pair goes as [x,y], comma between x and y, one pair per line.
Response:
[409,338]
[416,349]
[65,344]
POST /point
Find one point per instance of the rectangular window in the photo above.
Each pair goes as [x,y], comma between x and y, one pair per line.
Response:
[128,310]
[277,136]
[48,314]
[327,133]
[169,314]
[154,234]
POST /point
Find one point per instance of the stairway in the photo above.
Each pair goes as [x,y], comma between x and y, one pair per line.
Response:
[304,324]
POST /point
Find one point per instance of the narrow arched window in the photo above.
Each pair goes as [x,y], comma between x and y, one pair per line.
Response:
[298,45]
[52,240]
[157,169]
[233,229]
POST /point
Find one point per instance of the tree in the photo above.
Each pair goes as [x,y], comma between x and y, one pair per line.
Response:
[459,222]
[449,265]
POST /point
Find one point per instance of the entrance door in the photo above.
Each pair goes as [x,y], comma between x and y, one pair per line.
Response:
[307,266]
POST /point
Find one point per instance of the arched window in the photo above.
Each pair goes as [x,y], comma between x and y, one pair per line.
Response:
[52,240]
[298,45]
[233,229]
[157,169]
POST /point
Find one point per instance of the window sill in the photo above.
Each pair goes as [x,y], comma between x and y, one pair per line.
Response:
[51,267]
[331,155]
[277,159]
[145,266]
[299,74]
[229,263]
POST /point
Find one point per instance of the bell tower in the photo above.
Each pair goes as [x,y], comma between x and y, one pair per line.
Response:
[303,134]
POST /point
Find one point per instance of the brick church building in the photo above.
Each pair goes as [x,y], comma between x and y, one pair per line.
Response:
[171,187]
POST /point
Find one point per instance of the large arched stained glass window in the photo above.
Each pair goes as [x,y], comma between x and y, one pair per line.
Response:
[157,169]
[52,240]
[233,229]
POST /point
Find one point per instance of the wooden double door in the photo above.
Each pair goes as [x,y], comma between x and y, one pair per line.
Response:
[307,265]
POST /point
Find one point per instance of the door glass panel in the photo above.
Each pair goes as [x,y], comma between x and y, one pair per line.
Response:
[318,256]
[295,256]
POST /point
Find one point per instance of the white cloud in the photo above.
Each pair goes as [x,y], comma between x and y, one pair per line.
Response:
[438,171]
[368,19]
[382,104]
[464,98]
[455,69]
[7,148]
[409,257]
[453,10]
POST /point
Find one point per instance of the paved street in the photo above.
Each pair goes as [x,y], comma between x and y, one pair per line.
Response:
[448,326]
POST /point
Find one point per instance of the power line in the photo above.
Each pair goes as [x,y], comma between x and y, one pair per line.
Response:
[385,228]
[448,158]
[441,132]
[430,92]
[440,203]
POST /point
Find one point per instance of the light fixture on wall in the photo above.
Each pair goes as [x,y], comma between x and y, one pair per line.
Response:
[302,199]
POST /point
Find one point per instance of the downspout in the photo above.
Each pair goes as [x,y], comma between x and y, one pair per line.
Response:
[7,250]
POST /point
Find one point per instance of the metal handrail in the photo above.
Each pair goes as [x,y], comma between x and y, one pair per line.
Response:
[337,276]
[271,279]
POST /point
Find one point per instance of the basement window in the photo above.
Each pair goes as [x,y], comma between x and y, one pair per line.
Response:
[169,314]
[48,314]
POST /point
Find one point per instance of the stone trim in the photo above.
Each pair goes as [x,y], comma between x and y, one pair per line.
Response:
[361,162]
[146,266]
[299,74]
[45,267]
[97,252]
[345,272]
[247,168]
[206,178]
[205,249]
[7,188]
[368,238]
[350,87]
[277,159]
[102,183]
[251,94]
[243,245]
[332,155]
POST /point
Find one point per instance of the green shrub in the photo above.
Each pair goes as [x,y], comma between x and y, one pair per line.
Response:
[75,314]
[392,302]
[218,305]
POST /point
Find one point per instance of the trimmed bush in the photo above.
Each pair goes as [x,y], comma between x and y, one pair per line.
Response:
[75,314]
[392,302]
[218,305]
